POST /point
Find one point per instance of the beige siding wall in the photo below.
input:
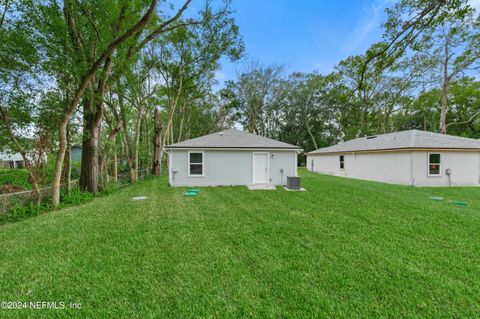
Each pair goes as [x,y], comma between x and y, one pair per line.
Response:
[407,167]
[230,167]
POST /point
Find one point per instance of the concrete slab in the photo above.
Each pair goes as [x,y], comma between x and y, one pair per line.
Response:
[261,187]
[295,190]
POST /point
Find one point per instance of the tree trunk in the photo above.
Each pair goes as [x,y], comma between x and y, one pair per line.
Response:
[445,86]
[133,171]
[149,157]
[444,109]
[115,166]
[311,135]
[92,122]
[112,147]
[363,110]
[187,134]
[57,174]
[91,135]
[131,147]
[157,152]
[89,166]
[386,117]
[104,177]
[182,120]
[172,137]
[67,165]
[173,101]
[44,173]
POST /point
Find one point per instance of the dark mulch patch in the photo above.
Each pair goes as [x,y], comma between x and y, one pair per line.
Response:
[10,188]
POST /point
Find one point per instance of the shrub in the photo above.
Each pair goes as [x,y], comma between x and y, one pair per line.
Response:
[75,197]
[19,210]
[76,169]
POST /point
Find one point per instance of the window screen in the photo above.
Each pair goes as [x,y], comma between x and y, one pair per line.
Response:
[195,164]
[342,162]
[434,164]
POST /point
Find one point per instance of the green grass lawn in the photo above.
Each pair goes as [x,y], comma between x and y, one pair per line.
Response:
[344,248]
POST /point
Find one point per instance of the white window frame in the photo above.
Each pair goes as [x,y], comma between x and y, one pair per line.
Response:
[203,164]
[340,162]
[439,165]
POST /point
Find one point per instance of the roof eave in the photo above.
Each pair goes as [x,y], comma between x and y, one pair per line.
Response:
[471,149]
[232,147]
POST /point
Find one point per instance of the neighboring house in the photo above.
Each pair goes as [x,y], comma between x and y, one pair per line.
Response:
[76,153]
[231,157]
[409,157]
[12,160]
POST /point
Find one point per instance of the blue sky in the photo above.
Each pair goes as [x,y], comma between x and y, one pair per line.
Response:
[305,35]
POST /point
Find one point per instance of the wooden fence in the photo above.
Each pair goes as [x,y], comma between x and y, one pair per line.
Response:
[7,201]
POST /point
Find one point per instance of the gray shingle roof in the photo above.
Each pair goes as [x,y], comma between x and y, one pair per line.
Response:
[232,138]
[5,156]
[402,140]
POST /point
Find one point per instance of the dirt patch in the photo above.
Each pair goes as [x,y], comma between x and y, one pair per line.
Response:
[10,188]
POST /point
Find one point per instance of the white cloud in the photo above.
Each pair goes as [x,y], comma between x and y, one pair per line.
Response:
[370,19]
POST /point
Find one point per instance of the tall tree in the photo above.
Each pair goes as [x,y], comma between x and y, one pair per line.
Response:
[453,48]
[254,91]
[70,36]
[363,87]
[187,61]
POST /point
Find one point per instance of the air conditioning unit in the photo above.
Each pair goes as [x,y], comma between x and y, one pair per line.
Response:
[293,182]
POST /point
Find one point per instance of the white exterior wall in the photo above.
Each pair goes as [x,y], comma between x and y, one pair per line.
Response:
[230,167]
[402,167]
[385,167]
[464,166]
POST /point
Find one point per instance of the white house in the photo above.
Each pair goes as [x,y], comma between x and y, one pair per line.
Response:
[409,157]
[231,157]
[12,160]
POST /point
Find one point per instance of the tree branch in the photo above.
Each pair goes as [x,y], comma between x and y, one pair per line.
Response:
[464,122]
[108,51]
[408,29]
[2,19]
[163,27]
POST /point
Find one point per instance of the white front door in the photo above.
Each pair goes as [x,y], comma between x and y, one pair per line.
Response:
[260,168]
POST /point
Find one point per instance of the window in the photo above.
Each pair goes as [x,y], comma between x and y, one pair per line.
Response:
[342,162]
[434,165]
[195,163]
